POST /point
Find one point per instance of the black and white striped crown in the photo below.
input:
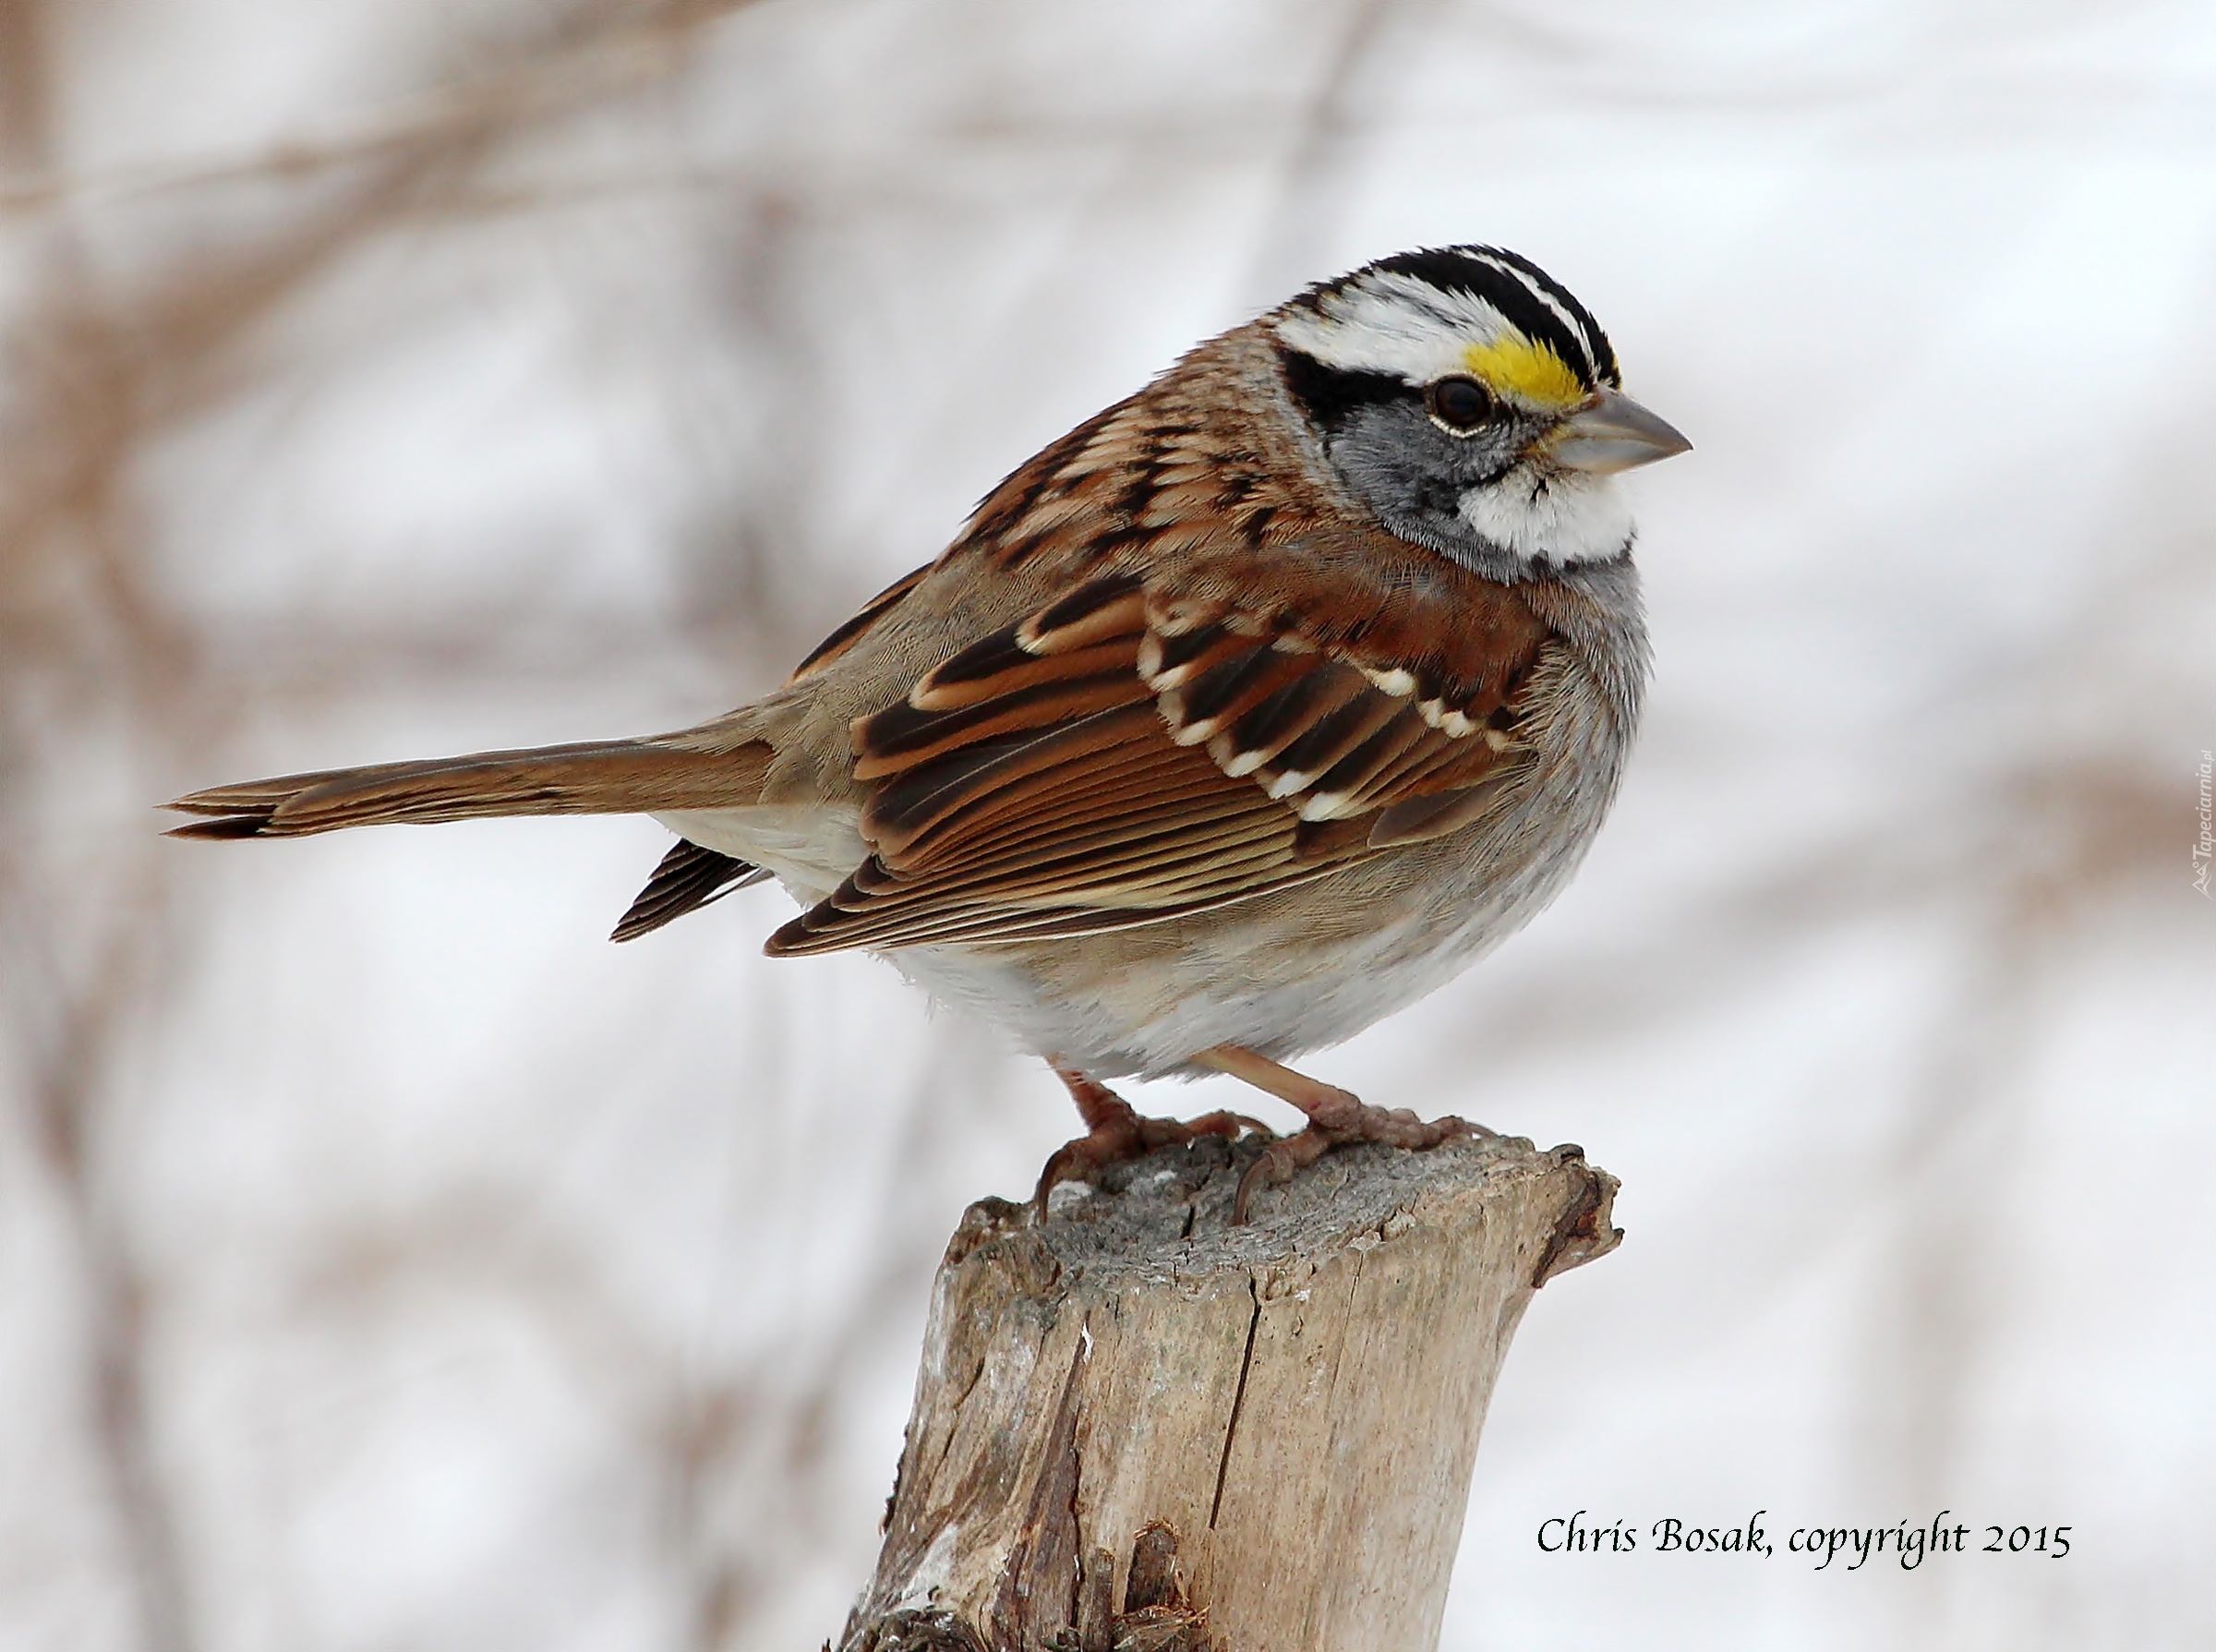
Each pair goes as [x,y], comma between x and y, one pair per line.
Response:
[1418,315]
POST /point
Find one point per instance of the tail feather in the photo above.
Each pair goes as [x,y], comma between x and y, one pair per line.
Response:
[688,878]
[617,777]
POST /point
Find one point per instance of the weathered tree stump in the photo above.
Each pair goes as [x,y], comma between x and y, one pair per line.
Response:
[1140,1429]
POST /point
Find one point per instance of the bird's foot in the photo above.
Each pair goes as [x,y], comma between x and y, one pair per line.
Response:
[1336,1117]
[1117,1133]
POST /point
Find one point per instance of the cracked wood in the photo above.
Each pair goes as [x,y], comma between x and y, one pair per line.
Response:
[1139,1428]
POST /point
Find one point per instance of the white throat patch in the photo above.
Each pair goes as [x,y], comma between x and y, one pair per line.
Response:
[1563,516]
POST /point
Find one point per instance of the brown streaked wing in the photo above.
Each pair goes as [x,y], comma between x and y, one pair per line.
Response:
[1111,761]
[1332,734]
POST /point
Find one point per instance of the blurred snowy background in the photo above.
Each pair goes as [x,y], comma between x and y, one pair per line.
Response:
[386,1262]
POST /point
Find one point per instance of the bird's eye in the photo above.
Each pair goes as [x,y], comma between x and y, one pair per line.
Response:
[1459,404]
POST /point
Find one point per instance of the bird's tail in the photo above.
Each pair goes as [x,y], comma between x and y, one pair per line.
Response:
[615,777]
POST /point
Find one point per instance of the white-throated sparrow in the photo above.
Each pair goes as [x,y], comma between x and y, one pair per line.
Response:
[1253,708]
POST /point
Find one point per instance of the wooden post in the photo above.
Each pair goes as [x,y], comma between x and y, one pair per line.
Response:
[1140,1429]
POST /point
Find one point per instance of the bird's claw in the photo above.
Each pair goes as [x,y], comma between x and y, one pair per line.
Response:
[1336,1120]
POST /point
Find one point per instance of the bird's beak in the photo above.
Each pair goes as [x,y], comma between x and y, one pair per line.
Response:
[1611,433]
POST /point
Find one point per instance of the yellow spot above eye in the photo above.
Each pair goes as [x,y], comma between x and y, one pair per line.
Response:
[1530,373]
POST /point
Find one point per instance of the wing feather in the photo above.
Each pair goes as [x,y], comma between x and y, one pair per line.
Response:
[1118,758]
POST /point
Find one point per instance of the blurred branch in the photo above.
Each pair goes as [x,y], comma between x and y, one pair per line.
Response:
[100,667]
[1310,184]
[601,51]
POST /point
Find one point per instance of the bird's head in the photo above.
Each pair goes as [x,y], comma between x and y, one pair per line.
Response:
[1473,404]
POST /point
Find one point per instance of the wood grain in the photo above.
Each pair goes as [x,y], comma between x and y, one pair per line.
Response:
[1138,1427]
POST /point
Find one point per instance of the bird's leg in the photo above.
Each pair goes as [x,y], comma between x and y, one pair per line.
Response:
[1335,1117]
[1116,1133]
